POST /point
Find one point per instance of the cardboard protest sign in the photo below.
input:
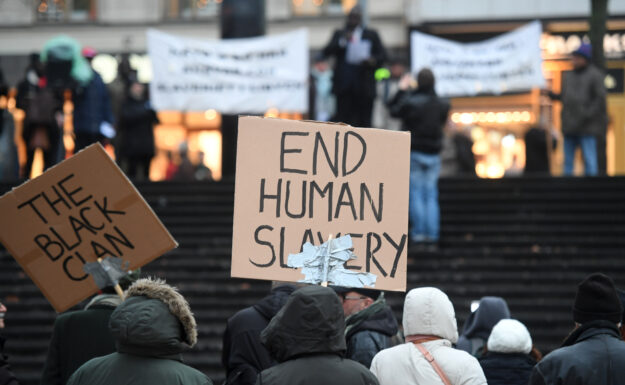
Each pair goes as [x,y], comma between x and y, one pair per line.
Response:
[299,182]
[77,211]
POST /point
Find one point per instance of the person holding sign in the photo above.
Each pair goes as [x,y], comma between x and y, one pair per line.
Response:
[357,51]
[307,338]
[81,335]
[424,114]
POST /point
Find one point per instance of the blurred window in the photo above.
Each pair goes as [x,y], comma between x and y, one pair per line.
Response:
[191,9]
[54,11]
[321,7]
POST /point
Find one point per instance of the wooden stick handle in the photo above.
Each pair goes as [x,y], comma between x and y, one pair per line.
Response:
[325,283]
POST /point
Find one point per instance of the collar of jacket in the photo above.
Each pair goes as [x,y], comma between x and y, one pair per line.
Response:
[591,329]
[146,351]
[104,300]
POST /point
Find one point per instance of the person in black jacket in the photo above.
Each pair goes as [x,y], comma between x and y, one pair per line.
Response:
[136,123]
[594,352]
[507,360]
[357,51]
[6,375]
[81,335]
[307,338]
[243,355]
[424,114]
[370,325]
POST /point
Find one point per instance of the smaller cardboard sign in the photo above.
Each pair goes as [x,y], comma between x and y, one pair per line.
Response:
[77,211]
[300,182]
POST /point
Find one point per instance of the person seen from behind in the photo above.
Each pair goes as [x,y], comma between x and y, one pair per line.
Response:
[507,359]
[594,352]
[479,324]
[151,327]
[424,114]
[307,338]
[243,355]
[427,357]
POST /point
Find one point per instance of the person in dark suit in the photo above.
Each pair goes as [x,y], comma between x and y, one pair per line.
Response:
[357,52]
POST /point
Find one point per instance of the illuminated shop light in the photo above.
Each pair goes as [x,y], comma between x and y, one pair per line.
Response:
[500,117]
[210,114]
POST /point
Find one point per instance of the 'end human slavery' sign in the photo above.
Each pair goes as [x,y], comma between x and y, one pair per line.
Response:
[299,182]
[74,213]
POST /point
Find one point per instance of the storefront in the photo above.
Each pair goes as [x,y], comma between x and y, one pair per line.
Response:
[497,124]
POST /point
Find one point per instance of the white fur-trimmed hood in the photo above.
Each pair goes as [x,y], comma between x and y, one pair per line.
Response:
[509,336]
[155,288]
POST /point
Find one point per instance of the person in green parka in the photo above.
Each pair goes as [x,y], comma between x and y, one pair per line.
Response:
[152,327]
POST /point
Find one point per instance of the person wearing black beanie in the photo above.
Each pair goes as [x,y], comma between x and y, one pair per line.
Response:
[594,353]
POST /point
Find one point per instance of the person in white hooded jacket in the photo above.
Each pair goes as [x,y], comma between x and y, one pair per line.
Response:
[430,328]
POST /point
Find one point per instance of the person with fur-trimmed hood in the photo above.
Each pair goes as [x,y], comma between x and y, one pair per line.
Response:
[152,327]
[307,338]
[507,360]
[427,357]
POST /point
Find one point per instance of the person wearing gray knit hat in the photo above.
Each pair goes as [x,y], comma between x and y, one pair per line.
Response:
[594,352]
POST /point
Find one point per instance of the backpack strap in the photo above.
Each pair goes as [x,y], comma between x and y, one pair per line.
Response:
[434,364]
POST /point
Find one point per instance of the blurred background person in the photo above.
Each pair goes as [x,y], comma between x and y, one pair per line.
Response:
[201,171]
[507,359]
[357,52]
[136,124]
[457,158]
[9,164]
[423,114]
[537,151]
[584,115]
[93,116]
[186,170]
[325,103]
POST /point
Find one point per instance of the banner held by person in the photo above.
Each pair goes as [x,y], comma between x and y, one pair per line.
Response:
[298,182]
[510,62]
[231,76]
[76,212]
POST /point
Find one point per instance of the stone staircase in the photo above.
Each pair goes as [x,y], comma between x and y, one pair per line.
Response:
[528,240]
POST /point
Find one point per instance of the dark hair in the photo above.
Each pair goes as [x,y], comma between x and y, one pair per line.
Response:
[425,79]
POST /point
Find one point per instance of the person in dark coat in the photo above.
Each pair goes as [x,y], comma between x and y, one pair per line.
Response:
[307,338]
[243,355]
[92,109]
[507,360]
[424,114]
[81,335]
[6,375]
[137,120]
[479,324]
[358,52]
[151,328]
[594,352]
[584,113]
[536,152]
[370,325]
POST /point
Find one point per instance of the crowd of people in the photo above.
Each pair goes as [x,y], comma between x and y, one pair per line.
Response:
[308,334]
[118,114]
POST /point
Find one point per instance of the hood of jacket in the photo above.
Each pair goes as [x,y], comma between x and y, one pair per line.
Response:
[428,311]
[509,336]
[481,322]
[271,304]
[154,320]
[310,322]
